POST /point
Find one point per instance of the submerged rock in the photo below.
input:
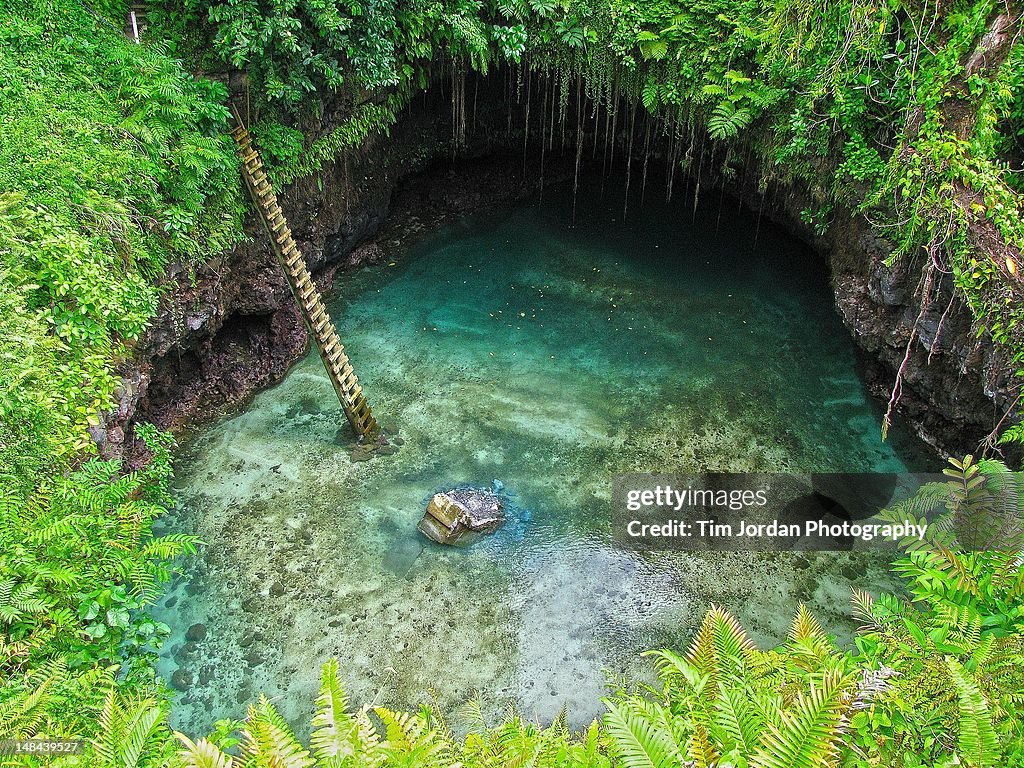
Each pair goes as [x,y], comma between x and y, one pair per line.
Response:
[181,679]
[452,515]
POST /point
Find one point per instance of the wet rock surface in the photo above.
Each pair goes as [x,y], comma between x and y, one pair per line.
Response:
[453,516]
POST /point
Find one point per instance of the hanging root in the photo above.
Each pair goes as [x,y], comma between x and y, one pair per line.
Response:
[897,387]
[991,442]
[579,146]
[629,162]
[942,324]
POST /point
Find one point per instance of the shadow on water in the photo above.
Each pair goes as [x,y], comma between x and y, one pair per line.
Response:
[513,348]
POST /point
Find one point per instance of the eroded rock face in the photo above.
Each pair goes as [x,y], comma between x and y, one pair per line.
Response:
[955,387]
[453,516]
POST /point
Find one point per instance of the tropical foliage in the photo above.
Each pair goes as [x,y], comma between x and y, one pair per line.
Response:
[926,683]
[114,165]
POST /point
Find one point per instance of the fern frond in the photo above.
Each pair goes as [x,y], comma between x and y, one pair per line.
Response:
[638,743]
[333,726]
[807,736]
[699,749]
[266,737]
[721,647]
[203,754]
[735,717]
[978,743]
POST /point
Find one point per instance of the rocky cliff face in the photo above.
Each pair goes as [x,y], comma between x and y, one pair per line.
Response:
[231,328]
[954,390]
[954,387]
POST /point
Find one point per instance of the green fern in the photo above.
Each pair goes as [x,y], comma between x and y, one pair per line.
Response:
[337,735]
[809,733]
[727,120]
[203,754]
[979,745]
[738,720]
[129,731]
[721,648]
[638,742]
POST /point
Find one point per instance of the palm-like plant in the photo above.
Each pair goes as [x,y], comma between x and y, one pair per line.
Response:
[132,732]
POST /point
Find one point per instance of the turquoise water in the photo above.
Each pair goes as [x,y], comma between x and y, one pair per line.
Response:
[514,348]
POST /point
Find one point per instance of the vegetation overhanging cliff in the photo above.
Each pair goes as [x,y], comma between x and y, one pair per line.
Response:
[115,169]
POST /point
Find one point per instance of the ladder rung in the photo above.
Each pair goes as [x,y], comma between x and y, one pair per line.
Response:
[357,408]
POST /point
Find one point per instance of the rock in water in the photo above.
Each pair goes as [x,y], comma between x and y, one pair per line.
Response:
[453,515]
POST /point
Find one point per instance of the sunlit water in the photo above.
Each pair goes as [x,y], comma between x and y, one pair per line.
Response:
[514,348]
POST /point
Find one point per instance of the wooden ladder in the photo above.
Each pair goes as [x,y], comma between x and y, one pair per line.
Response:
[314,311]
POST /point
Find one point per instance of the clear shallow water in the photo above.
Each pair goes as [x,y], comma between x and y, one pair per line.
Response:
[513,348]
